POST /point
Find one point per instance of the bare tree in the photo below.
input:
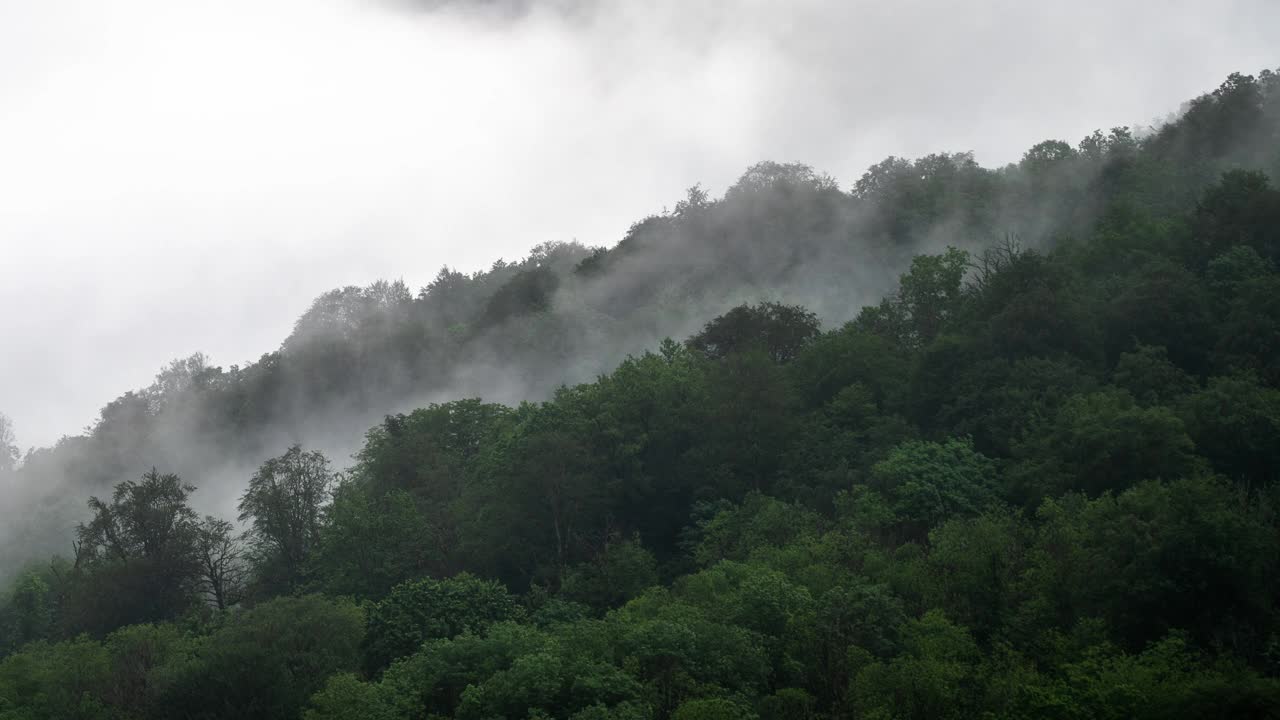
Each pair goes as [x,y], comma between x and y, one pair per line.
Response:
[220,556]
[994,260]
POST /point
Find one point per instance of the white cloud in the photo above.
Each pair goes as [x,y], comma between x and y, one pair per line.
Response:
[178,177]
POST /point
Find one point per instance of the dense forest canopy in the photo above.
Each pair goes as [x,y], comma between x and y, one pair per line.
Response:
[953,442]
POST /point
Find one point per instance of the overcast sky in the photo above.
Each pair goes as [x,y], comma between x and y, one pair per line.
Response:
[188,176]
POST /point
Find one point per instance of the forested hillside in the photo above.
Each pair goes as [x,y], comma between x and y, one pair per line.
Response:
[952,442]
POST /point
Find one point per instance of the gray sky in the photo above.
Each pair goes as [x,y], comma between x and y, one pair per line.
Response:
[188,176]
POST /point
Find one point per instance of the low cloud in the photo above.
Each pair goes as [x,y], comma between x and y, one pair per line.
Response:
[182,178]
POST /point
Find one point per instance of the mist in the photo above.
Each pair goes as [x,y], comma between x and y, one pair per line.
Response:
[180,179]
[277,190]
[347,342]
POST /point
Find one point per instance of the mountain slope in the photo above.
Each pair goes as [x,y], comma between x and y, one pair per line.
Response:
[566,313]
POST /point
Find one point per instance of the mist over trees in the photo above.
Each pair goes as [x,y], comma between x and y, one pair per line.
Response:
[955,442]
[8,445]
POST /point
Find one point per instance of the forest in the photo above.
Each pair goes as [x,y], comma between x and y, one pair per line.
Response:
[951,442]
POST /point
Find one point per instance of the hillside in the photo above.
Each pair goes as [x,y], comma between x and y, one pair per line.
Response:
[951,442]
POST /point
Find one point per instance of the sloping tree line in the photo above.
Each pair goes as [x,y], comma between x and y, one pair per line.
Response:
[1029,482]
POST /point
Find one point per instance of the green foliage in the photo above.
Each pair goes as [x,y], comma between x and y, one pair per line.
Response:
[712,709]
[56,680]
[428,609]
[1102,441]
[265,662]
[781,331]
[929,298]
[27,614]
[932,678]
[1166,680]
[622,570]
[1151,379]
[1242,210]
[283,505]
[1161,303]
[788,704]
[1235,423]
[1191,554]
[927,482]
[1249,339]
[528,292]
[427,451]
[371,544]
[344,696]
[1027,483]
[760,521]
[137,558]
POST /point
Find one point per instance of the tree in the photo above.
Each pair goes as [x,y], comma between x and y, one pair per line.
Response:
[401,499]
[28,614]
[1101,441]
[1044,155]
[265,662]
[283,505]
[370,543]
[928,482]
[712,709]
[788,704]
[178,377]
[428,609]
[1235,423]
[1249,337]
[530,291]
[1241,210]
[56,680]
[780,330]
[1192,554]
[8,445]
[929,297]
[932,679]
[1161,303]
[222,563]
[140,551]
[975,566]
[1149,376]
[621,571]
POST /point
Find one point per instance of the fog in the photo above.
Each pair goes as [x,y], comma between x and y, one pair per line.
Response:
[176,177]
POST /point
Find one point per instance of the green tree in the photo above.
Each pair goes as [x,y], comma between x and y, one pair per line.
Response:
[1249,337]
[56,680]
[1151,379]
[27,614]
[370,543]
[266,662]
[138,554]
[1098,442]
[928,482]
[1190,554]
[622,570]
[933,678]
[1241,209]
[283,506]
[780,330]
[428,609]
[788,704]
[931,291]
[1235,423]
[712,709]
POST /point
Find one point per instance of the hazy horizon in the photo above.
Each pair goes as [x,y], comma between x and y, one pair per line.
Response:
[179,180]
